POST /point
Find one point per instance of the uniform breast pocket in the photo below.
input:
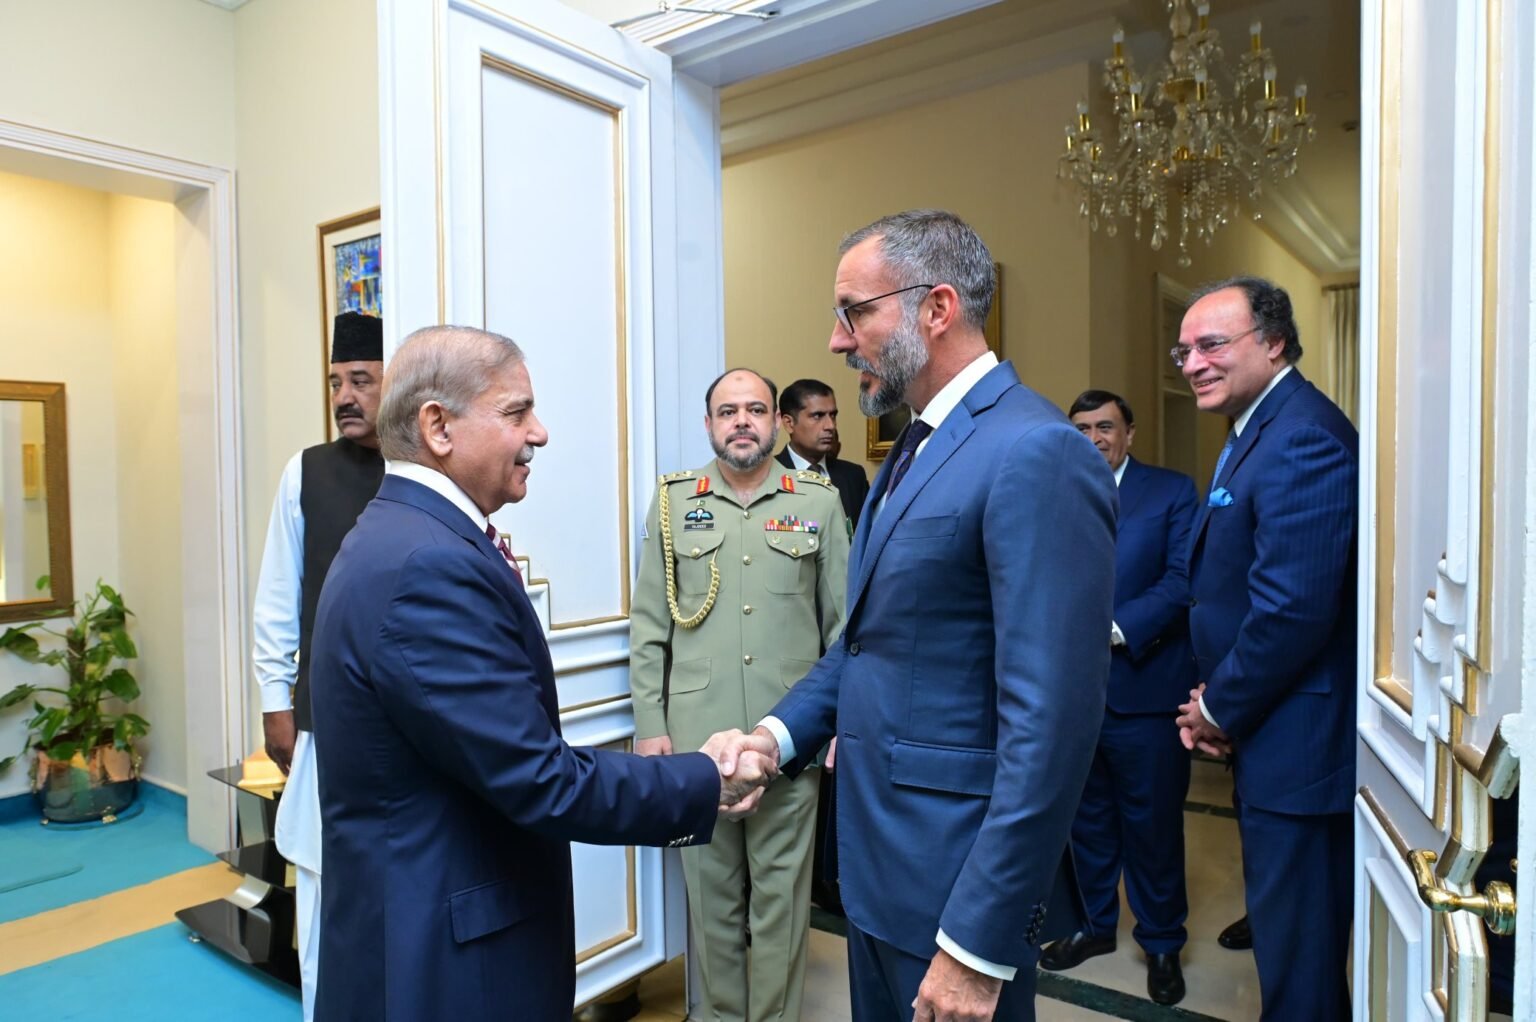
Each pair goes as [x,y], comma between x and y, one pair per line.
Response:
[693,552]
[791,561]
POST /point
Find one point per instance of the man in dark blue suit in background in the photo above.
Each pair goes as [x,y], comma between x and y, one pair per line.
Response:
[449,798]
[1272,618]
[966,689]
[1132,814]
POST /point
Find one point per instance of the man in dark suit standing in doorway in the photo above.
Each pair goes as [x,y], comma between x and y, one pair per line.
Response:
[808,411]
[1273,621]
[1132,814]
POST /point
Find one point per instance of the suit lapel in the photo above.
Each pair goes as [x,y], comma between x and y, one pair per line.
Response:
[1131,487]
[959,424]
[1262,416]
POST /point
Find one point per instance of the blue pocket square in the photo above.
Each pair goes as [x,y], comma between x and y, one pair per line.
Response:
[1220,497]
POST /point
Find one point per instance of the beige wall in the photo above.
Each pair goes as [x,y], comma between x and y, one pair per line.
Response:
[141,275]
[155,75]
[786,207]
[85,300]
[308,140]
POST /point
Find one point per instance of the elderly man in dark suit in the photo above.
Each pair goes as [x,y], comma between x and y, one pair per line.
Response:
[1132,815]
[808,412]
[449,798]
[1272,617]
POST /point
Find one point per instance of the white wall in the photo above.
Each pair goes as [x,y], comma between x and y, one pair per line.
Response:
[141,290]
[155,75]
[84,295]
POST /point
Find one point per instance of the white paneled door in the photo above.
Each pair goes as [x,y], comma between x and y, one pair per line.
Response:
[526,150]
[1447,567]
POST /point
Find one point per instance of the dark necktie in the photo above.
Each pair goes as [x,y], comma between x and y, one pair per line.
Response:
[1221,462]
[916,433]
[500,543]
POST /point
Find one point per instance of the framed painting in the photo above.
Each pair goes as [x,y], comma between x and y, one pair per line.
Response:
[350,253]
[880,434]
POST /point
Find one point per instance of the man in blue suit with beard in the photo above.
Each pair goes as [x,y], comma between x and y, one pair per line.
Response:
[966,690]
[1272,617]
[1132,815]
[449,798]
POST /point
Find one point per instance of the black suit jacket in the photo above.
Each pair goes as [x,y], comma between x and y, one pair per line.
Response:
[851,482]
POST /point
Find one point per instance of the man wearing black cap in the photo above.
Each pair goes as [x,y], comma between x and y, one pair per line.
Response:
[323,490]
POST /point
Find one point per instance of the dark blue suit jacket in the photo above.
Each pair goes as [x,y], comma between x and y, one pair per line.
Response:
[1273,614]
[967,687]
[1155,669]
[448,796]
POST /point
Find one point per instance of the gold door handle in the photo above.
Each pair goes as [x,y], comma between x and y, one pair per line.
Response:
[1495,906]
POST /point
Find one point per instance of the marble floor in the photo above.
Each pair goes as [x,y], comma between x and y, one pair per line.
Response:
[1222,984]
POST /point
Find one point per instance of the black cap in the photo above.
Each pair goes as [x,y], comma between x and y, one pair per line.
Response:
[358,338]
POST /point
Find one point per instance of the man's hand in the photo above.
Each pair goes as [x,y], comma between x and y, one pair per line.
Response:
[748,763]
[661,745]
[279,734]
[1196,732]
[951,992]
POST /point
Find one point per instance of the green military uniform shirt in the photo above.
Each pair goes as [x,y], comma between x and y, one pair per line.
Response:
[783,563]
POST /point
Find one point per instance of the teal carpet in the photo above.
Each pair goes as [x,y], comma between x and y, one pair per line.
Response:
[155,976]
[147,845]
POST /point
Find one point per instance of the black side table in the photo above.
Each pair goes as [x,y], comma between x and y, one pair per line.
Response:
[255,923]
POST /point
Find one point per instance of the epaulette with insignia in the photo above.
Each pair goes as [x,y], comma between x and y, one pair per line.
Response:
[672,477]
[814,477]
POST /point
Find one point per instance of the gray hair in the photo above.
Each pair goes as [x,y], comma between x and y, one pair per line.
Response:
[451,365]
[931,246]
[1271,307]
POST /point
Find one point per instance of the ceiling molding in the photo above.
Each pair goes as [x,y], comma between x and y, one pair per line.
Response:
[720,51]
[890,83]
[1322,245]
[228,5]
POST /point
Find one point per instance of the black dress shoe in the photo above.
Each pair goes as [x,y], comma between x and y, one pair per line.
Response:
[1237,937]
[1165,980]
[1070,952]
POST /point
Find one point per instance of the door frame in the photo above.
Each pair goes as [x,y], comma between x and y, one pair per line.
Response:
[214,602]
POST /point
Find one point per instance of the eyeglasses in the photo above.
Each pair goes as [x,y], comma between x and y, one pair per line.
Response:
[842,311]
[1206,346]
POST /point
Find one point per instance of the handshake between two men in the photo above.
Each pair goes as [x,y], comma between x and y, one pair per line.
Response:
[748,763]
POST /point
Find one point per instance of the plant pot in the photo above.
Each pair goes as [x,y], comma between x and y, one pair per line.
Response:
[85,788]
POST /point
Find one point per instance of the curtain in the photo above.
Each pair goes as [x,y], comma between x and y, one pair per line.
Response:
[1344,319]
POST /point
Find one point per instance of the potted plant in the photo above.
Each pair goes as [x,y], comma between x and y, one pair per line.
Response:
[85,767]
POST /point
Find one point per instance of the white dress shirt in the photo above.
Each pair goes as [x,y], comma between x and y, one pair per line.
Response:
[279,594]
[1237,431]
[936,411]
[441,485]
[806,466]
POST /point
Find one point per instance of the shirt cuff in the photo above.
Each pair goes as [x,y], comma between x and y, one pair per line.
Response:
[1116,636]
[276,696]
[1207,715]
[970,961]
[774,726]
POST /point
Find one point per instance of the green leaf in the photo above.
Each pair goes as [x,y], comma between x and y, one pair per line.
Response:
[5,764]
[17,695]
[122,644]
[17,641]
[121,684]
[53,720]
[42,583]
[63,751]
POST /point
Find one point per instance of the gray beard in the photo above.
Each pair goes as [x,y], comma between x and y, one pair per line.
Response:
[902,359]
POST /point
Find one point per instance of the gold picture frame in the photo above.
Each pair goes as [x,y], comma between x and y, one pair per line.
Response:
[351,250]
[880,433]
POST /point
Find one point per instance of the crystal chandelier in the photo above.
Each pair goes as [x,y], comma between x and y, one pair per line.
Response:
[1193,128]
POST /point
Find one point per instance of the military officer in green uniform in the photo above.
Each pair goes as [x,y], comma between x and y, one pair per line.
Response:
[743,573]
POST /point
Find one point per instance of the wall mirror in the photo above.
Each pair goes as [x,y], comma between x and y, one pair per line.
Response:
[34,501]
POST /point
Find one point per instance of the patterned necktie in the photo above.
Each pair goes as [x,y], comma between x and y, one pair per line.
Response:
[821,468]
[1221,462]
[916,433]
[500,543]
